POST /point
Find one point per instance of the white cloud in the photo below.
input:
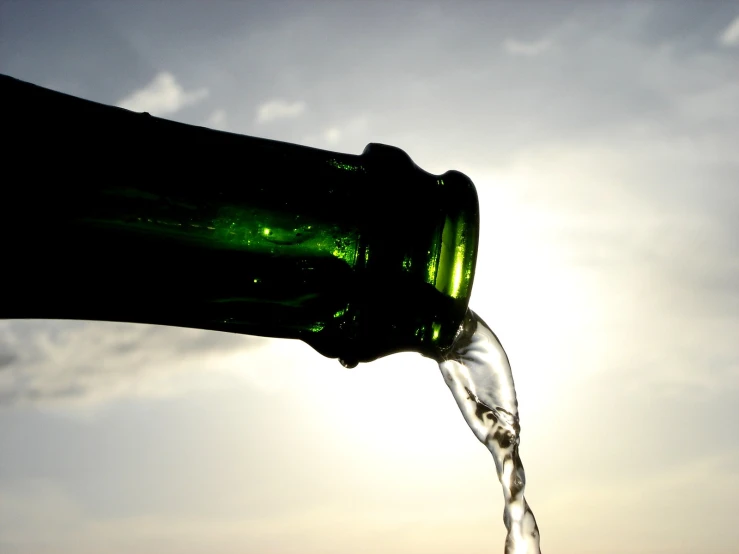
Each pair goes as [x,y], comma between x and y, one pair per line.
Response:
[162,96]
[41,512]
[85,363]
[216,120]
[730,35]
[520,48]
[332,135]
[279,109]
[344,134]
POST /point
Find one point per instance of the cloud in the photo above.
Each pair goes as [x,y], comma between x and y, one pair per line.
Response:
[352,129]
[332,135]
[703,483]
[52,362]
[520,48]
[216,120]
[350,133]
[279,109]
[36,513]
[162,96]
[730,35]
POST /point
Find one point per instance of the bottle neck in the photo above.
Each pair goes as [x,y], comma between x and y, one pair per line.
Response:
[114,215]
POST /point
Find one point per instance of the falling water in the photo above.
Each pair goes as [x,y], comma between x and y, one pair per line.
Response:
[479,375]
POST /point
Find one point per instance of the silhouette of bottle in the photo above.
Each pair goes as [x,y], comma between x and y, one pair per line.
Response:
[113,215]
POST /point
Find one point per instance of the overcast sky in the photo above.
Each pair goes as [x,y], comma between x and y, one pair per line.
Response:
[602,138]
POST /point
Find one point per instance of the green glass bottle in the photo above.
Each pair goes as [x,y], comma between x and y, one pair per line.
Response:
[113,215]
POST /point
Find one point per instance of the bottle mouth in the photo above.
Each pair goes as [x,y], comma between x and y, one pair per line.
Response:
[415,264]
[457,255]
[458,250]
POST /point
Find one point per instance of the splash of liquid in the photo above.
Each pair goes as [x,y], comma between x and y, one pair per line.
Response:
[479,375]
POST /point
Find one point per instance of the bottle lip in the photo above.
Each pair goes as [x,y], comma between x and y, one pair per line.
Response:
[458,254]
[459,235]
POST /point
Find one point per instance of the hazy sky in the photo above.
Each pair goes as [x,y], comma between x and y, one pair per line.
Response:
[602,138]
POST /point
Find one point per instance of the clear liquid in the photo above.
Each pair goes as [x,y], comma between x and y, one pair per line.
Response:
[479,375]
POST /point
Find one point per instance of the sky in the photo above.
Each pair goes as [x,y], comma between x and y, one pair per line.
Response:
[602,139]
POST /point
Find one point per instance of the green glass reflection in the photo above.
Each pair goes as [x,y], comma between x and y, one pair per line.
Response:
[345,166]
[454,269]
[264,232]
